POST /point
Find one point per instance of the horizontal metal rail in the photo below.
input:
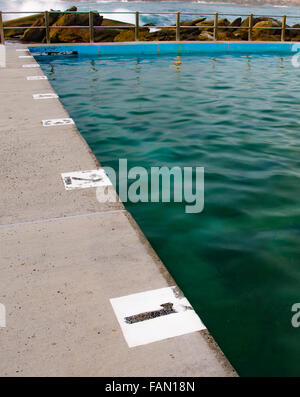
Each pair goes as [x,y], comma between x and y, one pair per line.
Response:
[178,27]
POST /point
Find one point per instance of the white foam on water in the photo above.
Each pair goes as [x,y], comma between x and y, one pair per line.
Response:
[128,18]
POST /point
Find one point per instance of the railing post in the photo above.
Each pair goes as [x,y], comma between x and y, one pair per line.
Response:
[46,16]
[250,27]
[283,28]
[178,26]
[91,26]
[137,22]
[2,41]
[216,26]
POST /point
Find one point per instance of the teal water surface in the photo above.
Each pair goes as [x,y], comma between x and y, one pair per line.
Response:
[236,116]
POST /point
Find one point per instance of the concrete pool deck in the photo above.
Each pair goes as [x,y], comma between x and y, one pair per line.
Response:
[64,255]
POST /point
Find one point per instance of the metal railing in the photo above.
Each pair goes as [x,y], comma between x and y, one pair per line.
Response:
[177,27]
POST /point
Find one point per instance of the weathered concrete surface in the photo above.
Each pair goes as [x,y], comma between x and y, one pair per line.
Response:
[58,274]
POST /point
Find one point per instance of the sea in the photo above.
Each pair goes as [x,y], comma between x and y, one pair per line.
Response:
[231,10]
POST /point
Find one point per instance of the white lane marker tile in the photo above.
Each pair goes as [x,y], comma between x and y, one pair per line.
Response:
[37,78]
[44,96]
[155,315]
[55,122]
[85,179]
[22,49]
[25,56]
[31,65]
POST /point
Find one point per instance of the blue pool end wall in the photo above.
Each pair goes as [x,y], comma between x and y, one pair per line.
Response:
[178,48]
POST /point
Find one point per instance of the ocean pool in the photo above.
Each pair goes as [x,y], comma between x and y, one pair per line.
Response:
[236,116]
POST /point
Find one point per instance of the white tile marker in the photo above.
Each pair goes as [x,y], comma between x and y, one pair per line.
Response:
[155,315]
[37,78]
[44,96]
[25,56]
[57,122]
[85,179]
[31,65]
[22,49]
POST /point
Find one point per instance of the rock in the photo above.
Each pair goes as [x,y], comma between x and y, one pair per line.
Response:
[39,35]
[129,35]
[223,22]
[198,20]
[187,33]
[266,34]
[205,36]
[108,35]
[25,21]
[292,34]
[73,8]
[236,23]
[242,34]
[187,23]
[64,35]
[205,24]
[166,34]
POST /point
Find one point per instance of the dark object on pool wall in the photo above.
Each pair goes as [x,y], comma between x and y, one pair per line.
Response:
[197,29]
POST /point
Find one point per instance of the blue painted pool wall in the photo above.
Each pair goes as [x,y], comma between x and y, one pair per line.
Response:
[174,48]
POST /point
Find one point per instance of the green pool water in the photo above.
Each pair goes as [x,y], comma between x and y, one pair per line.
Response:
[238,117]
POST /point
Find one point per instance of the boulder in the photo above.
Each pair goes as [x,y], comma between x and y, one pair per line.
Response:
[166,34]
[198,20]
[292,34]
[205,36]
[73,35]
[189,33]
[39,35]
[236,23]
[129,35]
[223,22]
[205,24]
[260,34]
[109,35]
[25,21]
[242,34]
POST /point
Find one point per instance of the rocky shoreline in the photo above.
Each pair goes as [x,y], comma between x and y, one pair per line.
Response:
[198,29]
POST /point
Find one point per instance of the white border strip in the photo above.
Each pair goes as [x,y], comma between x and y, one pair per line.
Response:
[31,65]
[25,56]
[57,122]
[183,321]
[49,95]
[31,78]
[85,179]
